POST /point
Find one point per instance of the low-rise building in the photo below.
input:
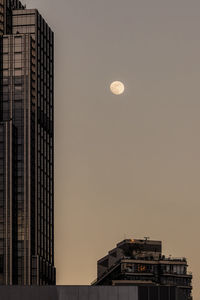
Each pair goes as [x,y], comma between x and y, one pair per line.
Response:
[141,263]
[90,293]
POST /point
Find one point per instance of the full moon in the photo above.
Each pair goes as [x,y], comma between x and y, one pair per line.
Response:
[117,88]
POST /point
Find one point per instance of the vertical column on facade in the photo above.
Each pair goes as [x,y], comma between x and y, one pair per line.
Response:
[6,202]
[9,201]
[9,174]
[27,161]
[1,17]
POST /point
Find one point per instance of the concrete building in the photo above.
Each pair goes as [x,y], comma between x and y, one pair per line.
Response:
[141,262]
[91,293]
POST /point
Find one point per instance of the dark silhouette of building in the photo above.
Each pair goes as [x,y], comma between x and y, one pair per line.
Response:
[92,293]
[26,147]
[141,262]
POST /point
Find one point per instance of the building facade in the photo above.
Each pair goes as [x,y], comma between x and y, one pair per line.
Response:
[92,293]
[26,147]
[141,262]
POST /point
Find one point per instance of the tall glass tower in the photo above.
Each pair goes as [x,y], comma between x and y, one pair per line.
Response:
[26,147]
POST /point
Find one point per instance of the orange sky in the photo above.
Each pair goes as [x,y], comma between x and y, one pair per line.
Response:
[129,165]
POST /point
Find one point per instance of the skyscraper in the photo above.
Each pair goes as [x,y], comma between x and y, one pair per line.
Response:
[26,147]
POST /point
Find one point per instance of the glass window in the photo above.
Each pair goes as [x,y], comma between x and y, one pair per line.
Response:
[18,72]
[18,64]
[18,56]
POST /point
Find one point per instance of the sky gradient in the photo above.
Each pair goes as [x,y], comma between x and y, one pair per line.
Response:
[126,166]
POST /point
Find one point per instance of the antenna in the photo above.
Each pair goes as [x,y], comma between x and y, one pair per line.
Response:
[146,238]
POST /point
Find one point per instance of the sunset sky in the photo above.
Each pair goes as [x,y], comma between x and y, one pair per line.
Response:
[126,166]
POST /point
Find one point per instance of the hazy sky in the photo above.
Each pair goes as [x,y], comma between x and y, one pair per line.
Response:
[126,166]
